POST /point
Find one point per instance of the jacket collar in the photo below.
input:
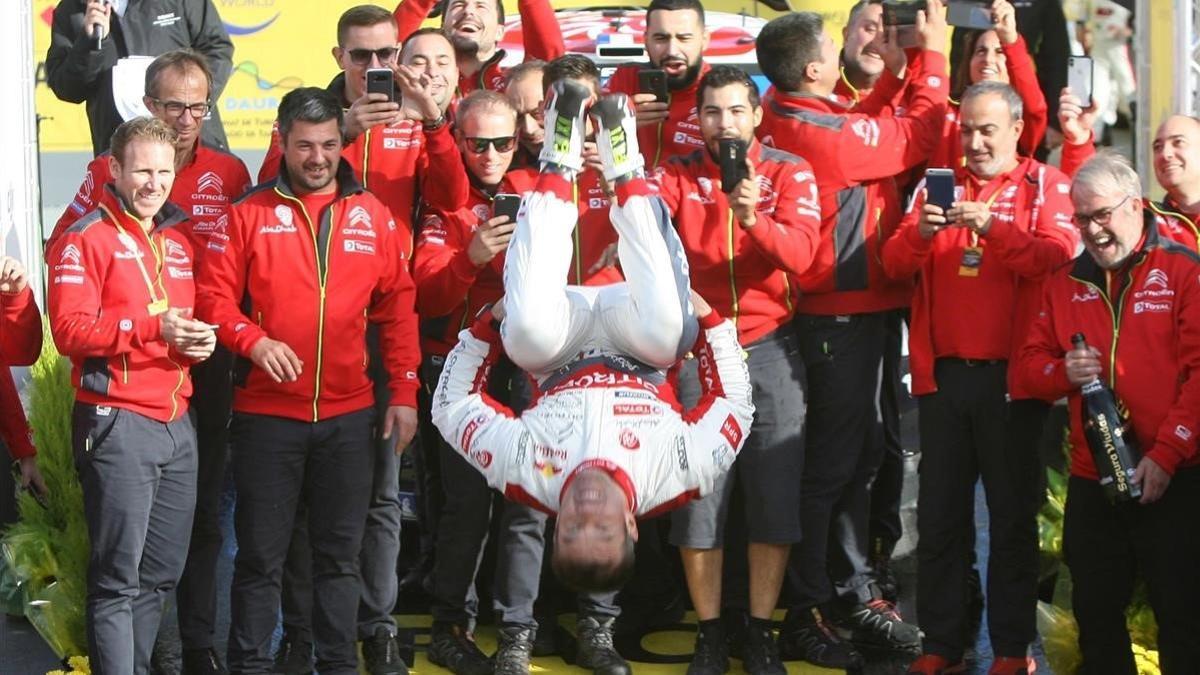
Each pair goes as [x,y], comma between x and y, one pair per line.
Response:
[614,471]
[348,183]
[167,217]
[1087,270]
[799,99]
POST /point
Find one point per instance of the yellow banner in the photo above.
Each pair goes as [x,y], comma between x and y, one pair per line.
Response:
[283,44]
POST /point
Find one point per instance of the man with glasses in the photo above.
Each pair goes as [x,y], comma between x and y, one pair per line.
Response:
[980,265]
[1135,281]
[89,37]
[207,181]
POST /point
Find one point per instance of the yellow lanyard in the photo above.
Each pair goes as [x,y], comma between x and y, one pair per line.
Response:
[991,200]
[156,305]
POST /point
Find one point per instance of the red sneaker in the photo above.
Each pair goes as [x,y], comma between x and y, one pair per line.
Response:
[933,664]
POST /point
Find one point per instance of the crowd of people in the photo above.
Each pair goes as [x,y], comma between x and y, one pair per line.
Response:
[641,357]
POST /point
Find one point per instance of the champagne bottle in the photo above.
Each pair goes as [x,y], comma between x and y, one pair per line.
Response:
[1109,436]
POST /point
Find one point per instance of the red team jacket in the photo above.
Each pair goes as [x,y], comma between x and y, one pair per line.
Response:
[539,29]
[855,158]
[743,272]
[679,135]
[313,281]
[984,314]
[204,189]
[1145,319]
[100,307]
[20,345]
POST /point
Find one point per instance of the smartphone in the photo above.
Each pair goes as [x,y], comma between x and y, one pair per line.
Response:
[972,14]
[505,204]
[653,81]
[939,187]
[380,81]
[1079,78]
[733,163]
[902,12]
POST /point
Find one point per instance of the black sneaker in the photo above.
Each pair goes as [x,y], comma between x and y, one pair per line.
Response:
[877,625]
[616,137]
[761,655]
[710,656]
[807,636]
[596,650]
[381,654]
[294,656]
[515,647]
[566,108]
[202,662]
[453,648]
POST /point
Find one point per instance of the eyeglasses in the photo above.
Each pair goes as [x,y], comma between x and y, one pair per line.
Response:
[1100,217]
[479,145]
[176,108]
[362,57]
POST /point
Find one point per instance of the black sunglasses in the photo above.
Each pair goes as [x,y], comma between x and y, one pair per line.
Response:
[362,57]
[479,145]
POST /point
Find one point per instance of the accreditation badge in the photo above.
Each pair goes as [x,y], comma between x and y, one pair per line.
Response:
[157,307]
[971,260]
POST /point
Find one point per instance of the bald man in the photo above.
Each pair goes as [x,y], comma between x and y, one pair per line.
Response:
[1177,169]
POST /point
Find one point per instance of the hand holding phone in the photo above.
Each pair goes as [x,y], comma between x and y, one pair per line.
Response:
[654,81]
[1079,78]
[939,188]
[733,163]
[505,204]
[381,81]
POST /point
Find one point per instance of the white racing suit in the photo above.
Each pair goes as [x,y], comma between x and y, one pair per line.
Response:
[597,353]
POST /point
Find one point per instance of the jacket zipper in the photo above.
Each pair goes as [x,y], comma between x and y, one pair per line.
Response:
[321,278]
[732,279]
[661,126]
[1115,313]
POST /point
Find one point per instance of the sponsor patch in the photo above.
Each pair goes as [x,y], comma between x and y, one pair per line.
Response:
[732,431]
[634,409]
[1151,307]
[354,246]
[1183,432]
[69,279]
[482,457]
[629,440]
[468,433]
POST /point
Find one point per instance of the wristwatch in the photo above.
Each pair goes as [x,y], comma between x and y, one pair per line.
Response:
[440,122]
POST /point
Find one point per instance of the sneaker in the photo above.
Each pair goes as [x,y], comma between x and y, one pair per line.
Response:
[877,624]
[294,656]
[513,652]
[596,650]
[202,662]
[1012,665]
[812,639]
[566,108]
[452,647]
[710,656]
[934,664]
[381,654]
[616,137]
[762,653]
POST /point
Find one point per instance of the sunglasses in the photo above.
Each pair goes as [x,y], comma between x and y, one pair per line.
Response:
[478,145]
[362,57]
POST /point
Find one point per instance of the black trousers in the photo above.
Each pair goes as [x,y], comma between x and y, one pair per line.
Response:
[1107,547]
[279,466]
[885,528]
[968,431]
[844,359]
[212,405]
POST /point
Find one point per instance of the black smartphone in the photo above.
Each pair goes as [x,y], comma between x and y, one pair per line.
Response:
[1079,78]
[505,204]
[380,81]
[971,14]
[902,12]
[733,163]
[653,81]
[939,187]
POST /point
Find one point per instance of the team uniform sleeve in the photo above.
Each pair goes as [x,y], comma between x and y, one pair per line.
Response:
[14,428]
[1053,240]
[876,147]
[392,310]
[20,329]
[221,286]
[542,36]
[790,237]
[442,269]
[1175,442]
[717,426]
[885,97]
[1074,155]
[81,328]
[905,252]
[443,178]
[485,432]
[1040,367]
[86,198]
[1023,76]
[410,14]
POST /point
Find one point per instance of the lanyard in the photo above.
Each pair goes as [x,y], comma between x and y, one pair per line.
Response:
[156,305]
[972,195]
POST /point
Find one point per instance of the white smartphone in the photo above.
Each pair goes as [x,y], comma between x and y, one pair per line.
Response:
[1079,78]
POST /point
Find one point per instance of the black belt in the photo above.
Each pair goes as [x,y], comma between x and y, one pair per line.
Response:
[974,363]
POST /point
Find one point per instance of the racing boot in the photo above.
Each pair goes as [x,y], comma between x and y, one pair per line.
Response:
[616,138]
[566,126]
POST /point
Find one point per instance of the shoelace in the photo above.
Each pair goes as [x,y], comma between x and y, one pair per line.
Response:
[884,607]
[599,637]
